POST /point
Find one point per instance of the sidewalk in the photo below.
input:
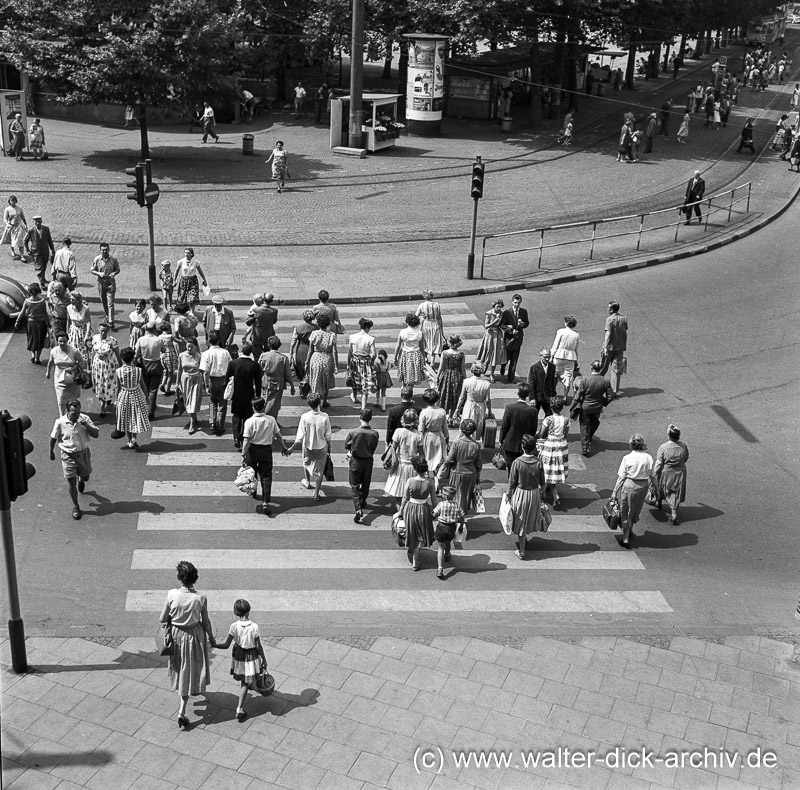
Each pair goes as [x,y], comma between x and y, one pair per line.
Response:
[361,712]
[347,224]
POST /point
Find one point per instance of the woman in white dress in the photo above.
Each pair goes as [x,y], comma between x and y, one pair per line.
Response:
[190,383]
[433,426]
[280,164]
[79,328]
[105,361]
[554,455]
[431,314]
[409,355]
[475,402]
[565,352]
[314,436]
[361,363]
[634,477]
[15,227]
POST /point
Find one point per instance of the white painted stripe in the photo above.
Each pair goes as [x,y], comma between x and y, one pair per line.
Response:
[454,323]
[329,522]
[431,600]
[372,309]
[170,433]
[338,489]
[5,339]
[346,403]
[362,559]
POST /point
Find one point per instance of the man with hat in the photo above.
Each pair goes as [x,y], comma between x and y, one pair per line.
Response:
[219,319]
[39,245]
[106,268]
[650,133]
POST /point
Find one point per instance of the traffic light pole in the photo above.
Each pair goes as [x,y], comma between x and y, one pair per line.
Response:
[151,269]
[16,629]
[471,256]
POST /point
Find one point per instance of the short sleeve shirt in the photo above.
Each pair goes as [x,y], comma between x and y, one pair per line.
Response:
[244,633]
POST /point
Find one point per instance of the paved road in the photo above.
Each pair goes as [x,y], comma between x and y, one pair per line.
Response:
[719,361]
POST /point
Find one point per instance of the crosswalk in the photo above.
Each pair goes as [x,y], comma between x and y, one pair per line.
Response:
[311,557]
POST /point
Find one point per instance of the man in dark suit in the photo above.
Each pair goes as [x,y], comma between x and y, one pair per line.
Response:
[594,393]
[513,322]
[695,190]
[394,416]
[246,375]
[518,419]
[220,318]
[542,383]
[264,317]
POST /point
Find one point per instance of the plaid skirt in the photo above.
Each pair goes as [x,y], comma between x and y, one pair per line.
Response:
[555,460]
[363,373]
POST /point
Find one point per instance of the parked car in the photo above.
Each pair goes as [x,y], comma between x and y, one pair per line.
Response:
[12,295]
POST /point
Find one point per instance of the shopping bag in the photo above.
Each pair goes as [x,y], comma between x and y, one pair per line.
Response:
[490,434]
[228,394]
[206,290]
[499,462]
[246,480]
[178,405]
[611,513]
[164,641]
[389,458]
[506,515]
[328,471]
[480,505]
[547,517]
[398,530]
[461,534]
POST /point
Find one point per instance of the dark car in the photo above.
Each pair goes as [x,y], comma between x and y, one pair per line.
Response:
[12,295]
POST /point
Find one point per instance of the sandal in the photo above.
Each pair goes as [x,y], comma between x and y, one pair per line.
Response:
[440,574]
[519,555]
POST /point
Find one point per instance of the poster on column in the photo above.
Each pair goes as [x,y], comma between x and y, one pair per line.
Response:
[11,102]
[425,96]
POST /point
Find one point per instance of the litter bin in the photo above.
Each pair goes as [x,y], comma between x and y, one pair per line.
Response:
[247,144]
[505,124]
[601,89]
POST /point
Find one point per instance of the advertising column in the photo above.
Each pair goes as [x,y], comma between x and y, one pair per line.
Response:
[425,83]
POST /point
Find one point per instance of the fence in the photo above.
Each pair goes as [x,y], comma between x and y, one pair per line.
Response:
[719,203]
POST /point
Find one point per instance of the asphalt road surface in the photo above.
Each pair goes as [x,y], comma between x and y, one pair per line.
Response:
[713,348]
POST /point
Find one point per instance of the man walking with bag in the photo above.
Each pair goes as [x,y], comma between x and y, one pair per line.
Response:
[594,393]
[518,419]
[106,268]
[39,245]
[260,431]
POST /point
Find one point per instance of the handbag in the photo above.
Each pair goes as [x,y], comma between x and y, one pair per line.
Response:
[547,517]
[480,504]
[442,476]
[328,471]
[611,513]
[652,497]
[499,462]
[164,640]
[506,515]
[349,379]
[398,530]
[304,389]
[228,394]
[265,683]
[388,458]
[117,434]
[246,480]
[178,405]
[490,434]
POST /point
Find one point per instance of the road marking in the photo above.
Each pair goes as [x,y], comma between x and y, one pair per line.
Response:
[338,489]
[168,433]
[5,339]
[329,522]
[388,559]
[432,600]
[454,323]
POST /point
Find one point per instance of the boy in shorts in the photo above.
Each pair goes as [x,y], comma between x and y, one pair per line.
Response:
[71,432]
[448,515]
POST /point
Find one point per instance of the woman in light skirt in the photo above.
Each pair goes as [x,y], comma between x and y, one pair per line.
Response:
[633,479]
[407,443]
[186,613]
[475,401]
[419,500]
[132,416]
[361,363]
[492,351]
[190,383]
[554,455]
[431,314]
[409,355]
[433,425]
[525,481]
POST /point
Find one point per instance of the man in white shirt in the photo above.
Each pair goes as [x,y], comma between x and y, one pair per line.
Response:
[314,436]
[71,433]
[64,267]
[209,122]
[149,349]
[260,431]
[299,98]
[214,363]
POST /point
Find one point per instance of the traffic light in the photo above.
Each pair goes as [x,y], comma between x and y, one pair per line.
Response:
[16,470]
[148,172]
[477,180]
[137,185]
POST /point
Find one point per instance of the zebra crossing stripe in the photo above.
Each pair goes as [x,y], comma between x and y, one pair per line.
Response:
[328,522]
[430,600]
[337,489]
[387,559]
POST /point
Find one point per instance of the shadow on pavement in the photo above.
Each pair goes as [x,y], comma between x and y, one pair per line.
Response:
[107,507]
[657,540]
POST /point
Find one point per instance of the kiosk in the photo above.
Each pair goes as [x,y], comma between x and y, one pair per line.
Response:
[380,128]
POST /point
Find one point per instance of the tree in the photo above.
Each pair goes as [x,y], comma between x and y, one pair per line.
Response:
[151,52]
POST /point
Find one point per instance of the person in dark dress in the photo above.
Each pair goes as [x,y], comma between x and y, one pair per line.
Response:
[298,351]
[246,375]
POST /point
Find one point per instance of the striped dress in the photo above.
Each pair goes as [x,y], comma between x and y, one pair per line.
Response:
[555,453]
[131,403]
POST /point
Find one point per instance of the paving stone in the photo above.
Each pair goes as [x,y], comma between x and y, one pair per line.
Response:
[567,719]
[733,676]
[633,651]
[390,646]
[363,685]
[263,764]
[78,768]
[574,654]
[779,650]
[365,711]
[749,700]
[187,772]
[451,644]
[298,644]
[433,705]
[688,645]
[52,725]
[404,722]
[722,654]
[591,702]
[665,659]
[694,779]
[423,656]
[520,683]
[393,669]
[336,781]
[325,650]
[94,709]
[706,734]
[302,746]
[676,681]
[692,707]
[153,760]
[373,769]
[700,667]
[370,739]
[488,674]
[542,646]
[558,693]
[733,718]
[654,697]
[404,777]
[435,732]
[85,736]
[531,709]
[331,675]
[396,694]
[497,699]
[511,658]
[720,693]
[399,748]
[122,748]
[583,678]
[464,714]
[364,661]
[667,723]
[772,686]
[31,779]
[459,665]
[619,688]
[461,689]
[756,662]
[642,673]
[112,775]
[604,644]
[158,730]
[503,725]
[766,727]
[630,713]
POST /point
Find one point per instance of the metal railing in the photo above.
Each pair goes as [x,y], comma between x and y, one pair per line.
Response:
[731,197]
